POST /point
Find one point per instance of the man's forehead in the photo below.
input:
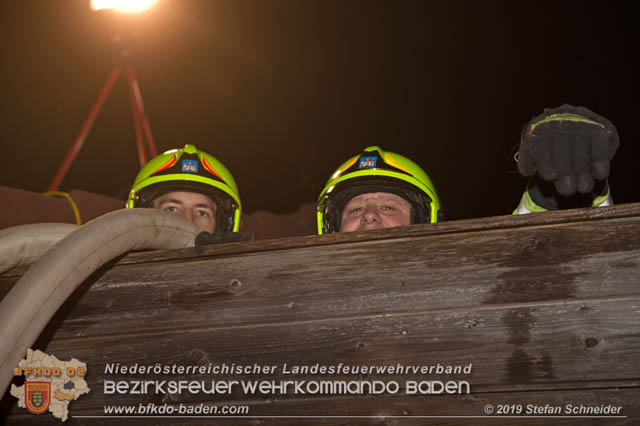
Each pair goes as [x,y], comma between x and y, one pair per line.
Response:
[378,196]
[184,197]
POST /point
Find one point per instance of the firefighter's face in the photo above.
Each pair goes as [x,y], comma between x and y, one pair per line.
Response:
[375,210]
[198,208]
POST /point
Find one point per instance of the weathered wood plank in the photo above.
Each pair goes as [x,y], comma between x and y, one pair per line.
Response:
[461,226]
[559,217]
[396,410]
[542,304]
[540,346]
[569,262]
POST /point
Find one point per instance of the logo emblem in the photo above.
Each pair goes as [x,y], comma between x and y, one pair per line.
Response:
[189,166]
[51,388]
[367,162]
[37,396]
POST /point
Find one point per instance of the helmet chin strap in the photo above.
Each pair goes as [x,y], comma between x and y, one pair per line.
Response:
[417,215]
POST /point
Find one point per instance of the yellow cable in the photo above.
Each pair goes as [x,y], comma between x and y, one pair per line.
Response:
[76,212]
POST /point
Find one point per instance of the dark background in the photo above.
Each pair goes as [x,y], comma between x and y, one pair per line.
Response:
[283,91]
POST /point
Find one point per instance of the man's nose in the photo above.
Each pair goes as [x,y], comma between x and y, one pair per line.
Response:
[370,215]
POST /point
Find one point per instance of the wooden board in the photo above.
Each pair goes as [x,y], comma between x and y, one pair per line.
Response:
[541,305]
[405,411]
[461,270]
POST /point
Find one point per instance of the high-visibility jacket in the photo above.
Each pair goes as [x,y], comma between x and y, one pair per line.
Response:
[527,205]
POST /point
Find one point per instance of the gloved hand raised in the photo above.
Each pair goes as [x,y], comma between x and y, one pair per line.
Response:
[571,146]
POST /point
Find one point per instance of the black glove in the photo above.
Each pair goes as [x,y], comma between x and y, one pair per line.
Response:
[571,146]
[205,238]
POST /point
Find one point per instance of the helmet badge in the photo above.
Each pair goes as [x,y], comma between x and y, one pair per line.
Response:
[367,162]
[189,166]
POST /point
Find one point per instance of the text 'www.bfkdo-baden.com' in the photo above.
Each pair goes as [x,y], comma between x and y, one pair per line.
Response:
[151,409]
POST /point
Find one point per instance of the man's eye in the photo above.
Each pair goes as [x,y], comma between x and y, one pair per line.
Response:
[171,209]
[355,210]
[387,208]
[202,213]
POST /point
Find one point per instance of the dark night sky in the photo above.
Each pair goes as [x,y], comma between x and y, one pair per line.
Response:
[283,91]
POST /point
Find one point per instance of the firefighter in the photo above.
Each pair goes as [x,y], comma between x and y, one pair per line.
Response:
[376,189]
[565,152]
[190,183]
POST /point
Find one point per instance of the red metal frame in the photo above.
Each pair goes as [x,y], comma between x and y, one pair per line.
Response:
[140,121]
[134,94]
[84,130]
[138,108]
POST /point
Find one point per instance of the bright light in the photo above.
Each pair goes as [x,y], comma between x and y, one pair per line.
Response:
[127,6]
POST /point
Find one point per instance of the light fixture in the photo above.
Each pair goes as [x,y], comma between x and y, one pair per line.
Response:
[126,6]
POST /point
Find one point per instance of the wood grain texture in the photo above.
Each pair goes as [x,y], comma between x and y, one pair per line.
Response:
[342,280]
[545,307]
[511,348]
[396,410]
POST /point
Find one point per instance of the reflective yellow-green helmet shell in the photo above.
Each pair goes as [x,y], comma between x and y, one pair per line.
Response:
[376,170]
[191,170]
